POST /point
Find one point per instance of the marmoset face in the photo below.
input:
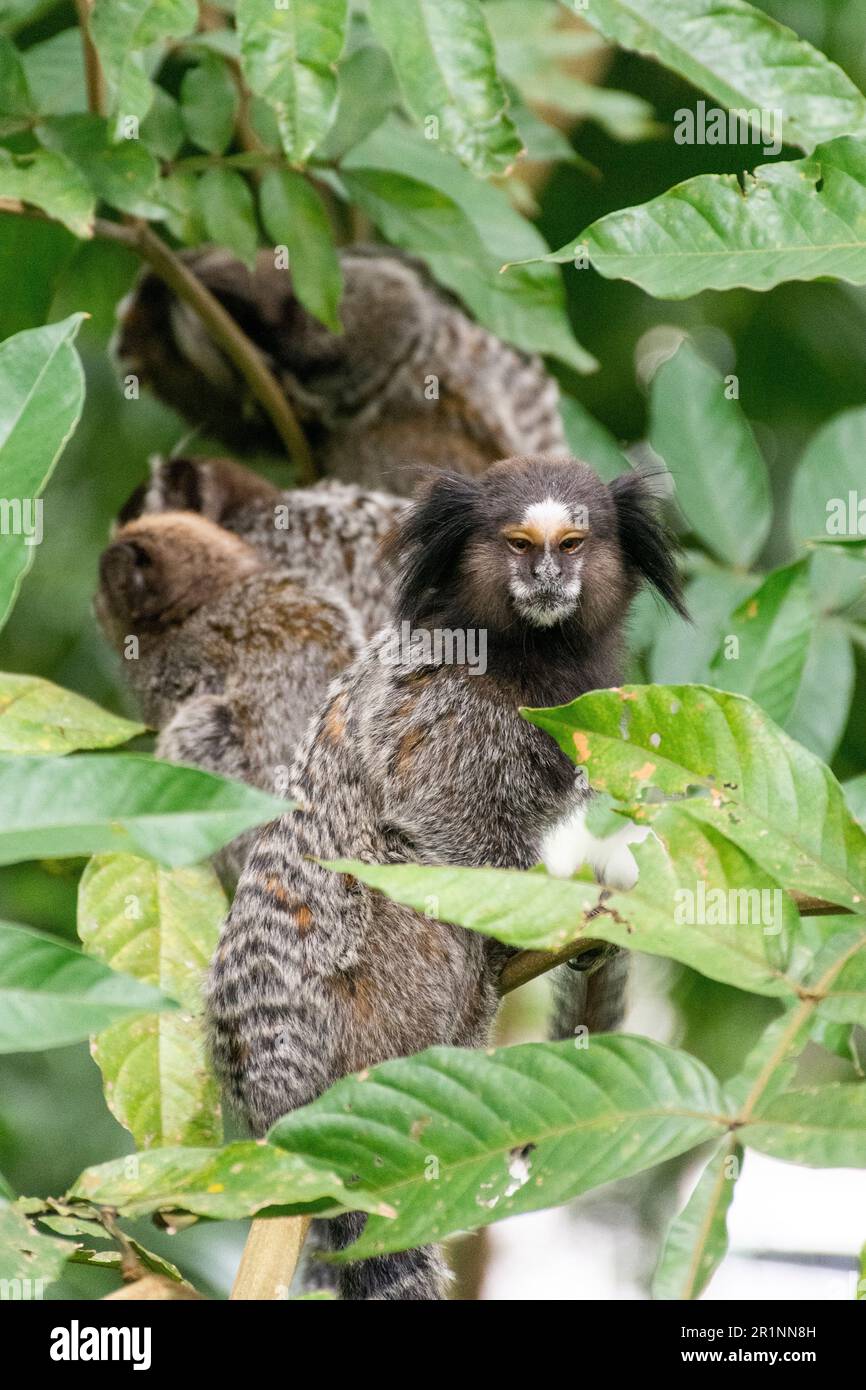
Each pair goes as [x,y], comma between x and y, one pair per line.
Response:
[547,548]
[546,560]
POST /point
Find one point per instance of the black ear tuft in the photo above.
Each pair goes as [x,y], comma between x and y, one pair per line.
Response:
[649,548]
[427,543]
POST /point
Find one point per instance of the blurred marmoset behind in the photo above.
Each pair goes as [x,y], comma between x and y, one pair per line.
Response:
[226,655]
[412,379]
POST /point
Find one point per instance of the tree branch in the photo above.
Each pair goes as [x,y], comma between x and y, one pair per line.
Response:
[270,1257]
[141,239]
[527,965]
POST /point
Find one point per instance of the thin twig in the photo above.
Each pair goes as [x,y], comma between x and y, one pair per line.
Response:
[93,75]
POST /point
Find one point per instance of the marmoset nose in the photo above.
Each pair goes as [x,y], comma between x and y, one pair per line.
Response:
[546,568]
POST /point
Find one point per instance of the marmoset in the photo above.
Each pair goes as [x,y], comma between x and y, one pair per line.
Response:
[330,534]
[227,655]
[417,759]
[412,379]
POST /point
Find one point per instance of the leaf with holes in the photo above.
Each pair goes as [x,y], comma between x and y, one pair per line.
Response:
[724,763]
[452,1139]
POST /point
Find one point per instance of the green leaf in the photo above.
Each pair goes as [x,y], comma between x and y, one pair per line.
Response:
[366,92]
[683,650]
[55,73]
[588,439]
[424,201]
[825,502]
[698,900]
[121,31]
[763,653]
[227,208]
[820,711]
[743,58]
[697,1239]
[724,763]
[224,1184]
[41,396]
[797,220]
[162,130]
[125,175]
[289,56]
[294,216]
[821,1126]
[52,183]
[29,1255]
[839,973]
[443,57]
[708,445]
[452,1139]
[162,927]
[37,716]
[16,101]
[95,803]
[855,795]
[53,995]
[208,104]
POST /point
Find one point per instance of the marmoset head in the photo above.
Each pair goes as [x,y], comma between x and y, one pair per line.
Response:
[160,569]
[533,543]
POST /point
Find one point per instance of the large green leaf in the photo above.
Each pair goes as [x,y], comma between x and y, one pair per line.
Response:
[52,183]
[121,31]
[161,926]
[825,502]
[289,55]
[820,712]
[822,1126]
[684,648]
[226,205]
[294,216]
[28,1255]
[724,763]
[224,1184]
[37,716]
[797,220]
[366,91]
[453,1139]
[743,58]
[698,899]
[96,803]
[426,202]
[708,445]
[763,652]
[41,395]
[697,1239]
[443,57]
[52,995]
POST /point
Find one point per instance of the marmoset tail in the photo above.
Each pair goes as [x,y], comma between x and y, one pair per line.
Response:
[330,534]
[420,755]
[226,655]
[411,380]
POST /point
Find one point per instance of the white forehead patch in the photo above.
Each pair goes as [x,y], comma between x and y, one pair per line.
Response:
[549,517]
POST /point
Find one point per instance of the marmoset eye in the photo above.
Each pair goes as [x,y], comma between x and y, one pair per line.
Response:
[569,544]
[519,544]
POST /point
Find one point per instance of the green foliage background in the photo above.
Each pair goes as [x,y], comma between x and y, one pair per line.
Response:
[799,351]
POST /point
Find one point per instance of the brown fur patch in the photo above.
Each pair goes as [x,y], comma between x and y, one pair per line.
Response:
[303,918]
[406,750]
[334,722]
